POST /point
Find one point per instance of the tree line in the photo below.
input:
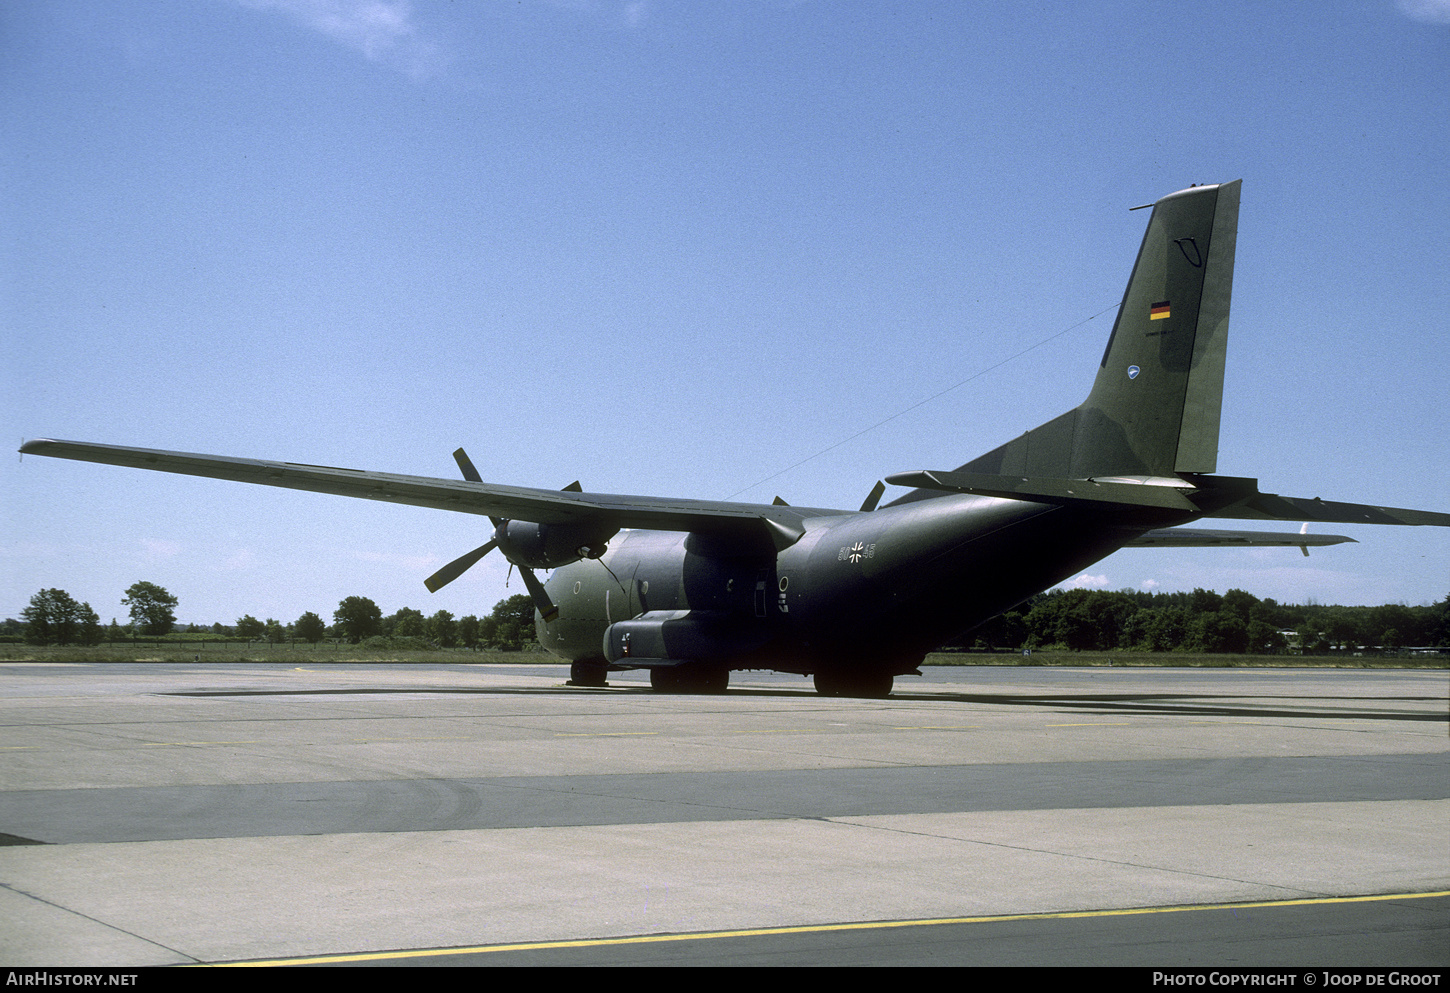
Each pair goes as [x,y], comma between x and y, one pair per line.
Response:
[1078,620]
[1204,621]
[54,617]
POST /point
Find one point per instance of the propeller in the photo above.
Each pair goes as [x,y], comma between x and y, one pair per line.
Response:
[873,498]
[458,567]
[528,538]
[542,603]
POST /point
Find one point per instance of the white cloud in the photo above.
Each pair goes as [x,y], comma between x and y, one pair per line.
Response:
[1429,11]
[1148,584]
[1085,582]
[383,30]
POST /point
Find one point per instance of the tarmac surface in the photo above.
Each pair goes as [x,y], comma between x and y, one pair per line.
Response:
[457,814]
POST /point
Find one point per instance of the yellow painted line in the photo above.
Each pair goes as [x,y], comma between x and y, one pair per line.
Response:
[939,727]
[820,929]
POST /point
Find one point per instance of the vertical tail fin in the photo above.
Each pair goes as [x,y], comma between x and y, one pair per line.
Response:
[1154,407]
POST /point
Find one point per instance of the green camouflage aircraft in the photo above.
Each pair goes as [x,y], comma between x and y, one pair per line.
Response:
[692,589]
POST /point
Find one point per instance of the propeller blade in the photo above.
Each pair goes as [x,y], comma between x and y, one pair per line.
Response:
[465,466]
[536,590]
[457,567]
[873,497]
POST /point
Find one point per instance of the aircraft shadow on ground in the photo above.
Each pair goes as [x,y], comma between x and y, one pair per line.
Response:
[1148,704]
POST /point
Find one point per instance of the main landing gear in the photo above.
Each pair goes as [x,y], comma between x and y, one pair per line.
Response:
[690,678]
[870,685]
[588,674]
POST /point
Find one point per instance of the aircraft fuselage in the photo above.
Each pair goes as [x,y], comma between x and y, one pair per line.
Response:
[877,589]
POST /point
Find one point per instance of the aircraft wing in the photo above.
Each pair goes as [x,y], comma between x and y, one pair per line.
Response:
[1211,538]
[780,524]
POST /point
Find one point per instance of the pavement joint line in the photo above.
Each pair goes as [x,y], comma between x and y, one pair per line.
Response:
[603,734]
[813,929]
[95,920]
[1048,851]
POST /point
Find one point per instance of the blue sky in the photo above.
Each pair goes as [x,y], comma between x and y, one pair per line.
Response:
[674,247]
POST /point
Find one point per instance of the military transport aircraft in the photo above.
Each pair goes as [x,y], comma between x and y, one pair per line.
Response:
[692,589]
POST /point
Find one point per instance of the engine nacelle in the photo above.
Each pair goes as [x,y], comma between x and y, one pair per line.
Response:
[547,546]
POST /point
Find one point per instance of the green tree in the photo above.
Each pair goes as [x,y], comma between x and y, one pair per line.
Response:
[53,616]
[153,610]
[1311,639]
[406,623]
[275,632]
[1204,601]
[1408,628]
[1241,604]
[443,629]
[1339,628]
[512,622]
[249,627]
[468,631]
[90,626]
[1166,629]
[1222,631]
[358,618]
[1264,638]
[1043,618]
[310,628]
[488,631]
[1077,627]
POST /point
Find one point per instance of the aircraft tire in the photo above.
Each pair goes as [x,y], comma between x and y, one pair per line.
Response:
[874,686]
[826,684]
[690,679]
[588,674]
[665,680]
[863,685]
[713,680]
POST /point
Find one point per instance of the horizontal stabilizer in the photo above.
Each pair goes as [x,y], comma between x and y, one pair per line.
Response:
[1047,490]
[1206,538]
[1271,507]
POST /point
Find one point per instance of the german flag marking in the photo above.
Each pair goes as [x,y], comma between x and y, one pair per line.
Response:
[1158,311]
